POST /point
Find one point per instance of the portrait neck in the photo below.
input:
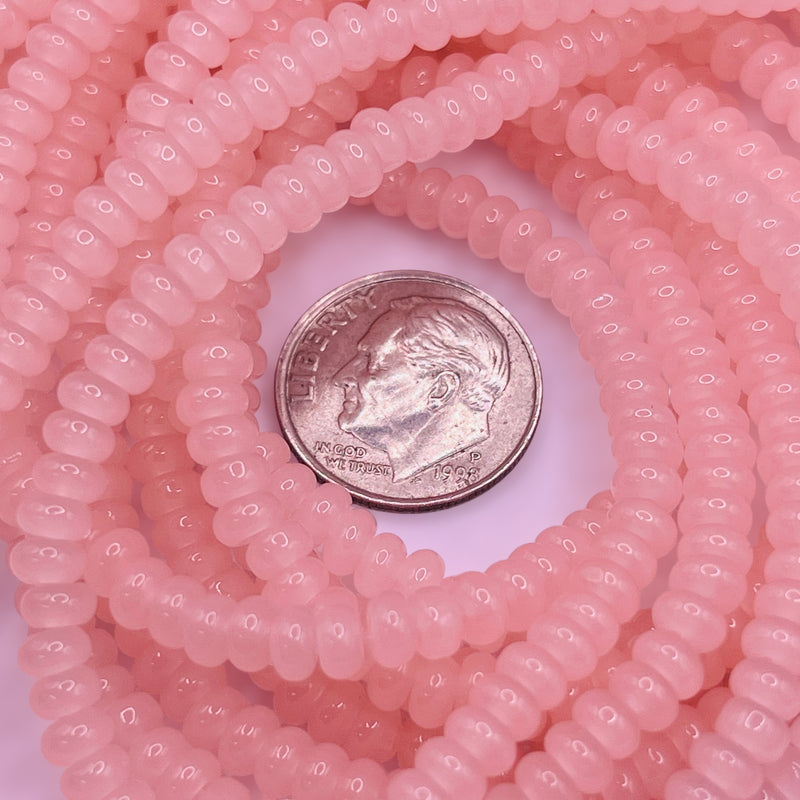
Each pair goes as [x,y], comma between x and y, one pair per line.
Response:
[444,434]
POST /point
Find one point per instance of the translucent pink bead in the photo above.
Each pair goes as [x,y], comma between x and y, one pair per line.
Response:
[726,765]
[280,756]
[174,67]
[188,774]
[296,201]
[390,634]
[153,751]
[148,104]
[167,161]
[423,197]
[195,133]
[74,434]
[97,775]
[487,225]
[40,81]
[482,603]
[538,772]
[509,701]
[360,160]
[84,246]
[580,755]
[119,363]
[433,692]
[378,562]
[130,596]
[206,721]
[483,736]
[54,650]
[66,692]
[645,694]
[318,45]
[132,715]
[199,37]
[340,644]
[327,173]
[242,736]
[451,767]
[36,311]
[318,771]
[483,100]
[761,734]
[74,737]
[224,788]
[262,94]
[584,123]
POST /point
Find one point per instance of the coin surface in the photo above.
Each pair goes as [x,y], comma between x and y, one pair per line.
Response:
[413,390]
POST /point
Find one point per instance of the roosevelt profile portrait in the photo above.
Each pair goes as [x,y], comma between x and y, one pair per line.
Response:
[422,382]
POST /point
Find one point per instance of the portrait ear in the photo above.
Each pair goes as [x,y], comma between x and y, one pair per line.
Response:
[444,389]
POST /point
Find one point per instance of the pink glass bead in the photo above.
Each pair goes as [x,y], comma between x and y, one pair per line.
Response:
[539,772]
[205,722]
[340,643]
[281,753]
[94,777]
[224,788]
[483,736]
[186,686]
[168,162]
[54,650]
[726,765]
[132,715]
[242,737]
[359,159]
[74,737]
[66,692]
[451,767]
[137,186]
[509,701]
[390,634]
[188,774]
[153,751]
[645,694]
[199,37]
[318,45]
[138,581]
[433,692]
[39,81]
[482,603]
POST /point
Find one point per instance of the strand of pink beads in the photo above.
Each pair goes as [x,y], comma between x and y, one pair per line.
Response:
[154,157]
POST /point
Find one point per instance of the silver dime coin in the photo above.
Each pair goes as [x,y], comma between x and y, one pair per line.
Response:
[413,390]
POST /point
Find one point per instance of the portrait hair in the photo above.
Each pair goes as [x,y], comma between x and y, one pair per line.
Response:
[440,334]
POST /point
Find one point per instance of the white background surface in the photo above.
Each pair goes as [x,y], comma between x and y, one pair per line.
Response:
[568,461]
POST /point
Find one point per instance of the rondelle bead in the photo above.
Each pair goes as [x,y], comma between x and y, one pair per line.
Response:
[120,363]
[433,692]
[726,765]
[242,736]
[645,694]
[138,187]
[188,774]
[205,722]
[76,736]
[54,650]
[438,620]
[390,632]
[95,776]
[186,686]
[279,759]
[66,692]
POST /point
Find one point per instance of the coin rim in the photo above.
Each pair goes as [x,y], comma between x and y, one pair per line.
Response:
[383,502]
